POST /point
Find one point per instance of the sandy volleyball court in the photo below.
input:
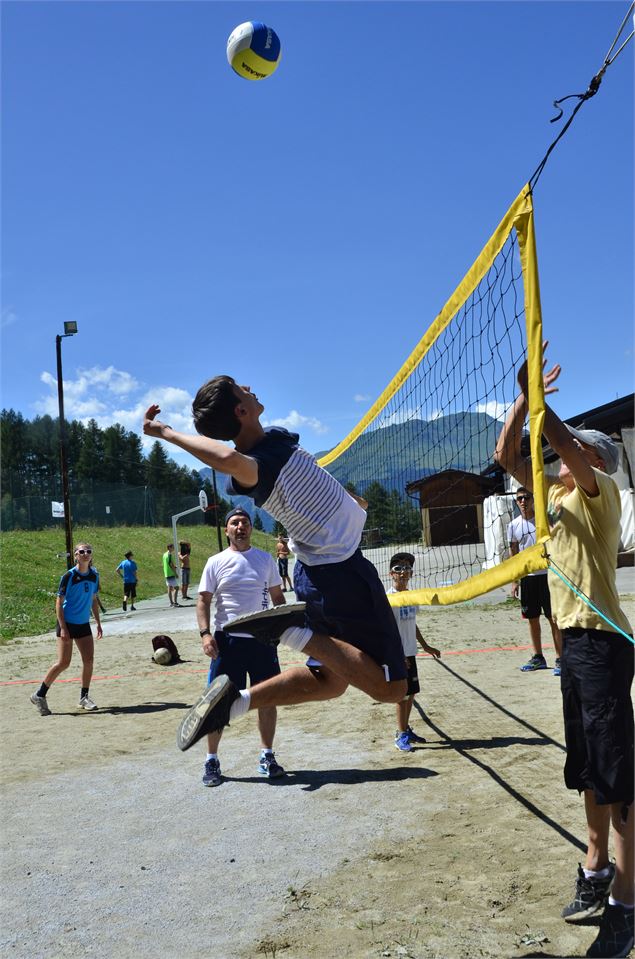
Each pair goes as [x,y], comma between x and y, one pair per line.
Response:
[466,847]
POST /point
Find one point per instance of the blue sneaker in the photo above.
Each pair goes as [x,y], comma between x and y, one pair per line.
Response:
[269,767]
[412,736]
[212,776]
[556,667]
[536,662]
[402,742]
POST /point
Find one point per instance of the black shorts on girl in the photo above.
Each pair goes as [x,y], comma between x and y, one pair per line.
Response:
[596,679]
[75,630]
[241,656]
[348,601]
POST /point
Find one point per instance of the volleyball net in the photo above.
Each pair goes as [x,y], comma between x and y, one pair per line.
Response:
[423,455]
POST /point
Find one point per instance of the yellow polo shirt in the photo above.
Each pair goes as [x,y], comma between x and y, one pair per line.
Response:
[584,543]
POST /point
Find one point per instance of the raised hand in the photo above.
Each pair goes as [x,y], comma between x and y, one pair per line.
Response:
[151,425]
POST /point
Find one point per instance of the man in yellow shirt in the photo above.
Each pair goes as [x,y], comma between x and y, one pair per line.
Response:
[597,661]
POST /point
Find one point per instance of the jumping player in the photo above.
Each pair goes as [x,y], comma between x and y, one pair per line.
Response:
[348,629]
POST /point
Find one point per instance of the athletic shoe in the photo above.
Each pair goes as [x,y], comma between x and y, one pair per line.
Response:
[556,667]
[590,896]
[133,608]
[87,703]
[267,625]
[536,662]
[212,776]
[615,937]
[402,742]
[41,703]
[412,736]
[209,715]
[269,767]
[124,607]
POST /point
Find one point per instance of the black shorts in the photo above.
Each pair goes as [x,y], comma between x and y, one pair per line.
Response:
[534,596]
[596,679]
[348,601]
[413,676]
[130,590]
[241,656]
[283,565]
[75,630]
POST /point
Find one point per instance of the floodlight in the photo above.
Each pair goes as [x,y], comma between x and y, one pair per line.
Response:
[70,328]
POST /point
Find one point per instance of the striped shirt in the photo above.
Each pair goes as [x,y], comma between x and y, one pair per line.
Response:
[324,523]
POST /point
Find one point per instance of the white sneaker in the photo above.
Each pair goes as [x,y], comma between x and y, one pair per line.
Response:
[87,703]
[41,703]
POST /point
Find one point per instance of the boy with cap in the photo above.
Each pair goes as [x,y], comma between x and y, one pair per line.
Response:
[597,658]
[347,627]
[401,569]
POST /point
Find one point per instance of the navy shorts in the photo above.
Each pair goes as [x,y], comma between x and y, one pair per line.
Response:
[76,630]
[240,656]
[185,575]
[283,565]
[347,600]
[534,596]
[596,679]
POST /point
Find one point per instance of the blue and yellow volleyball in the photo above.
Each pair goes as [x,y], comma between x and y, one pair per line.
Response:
[253,50]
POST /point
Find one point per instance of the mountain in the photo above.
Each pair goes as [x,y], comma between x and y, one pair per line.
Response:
[398,454]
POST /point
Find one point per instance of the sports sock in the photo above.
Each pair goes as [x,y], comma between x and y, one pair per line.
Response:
[266,752]
[84,692]
[211,756]
[296,637]
[240,706]
[624,905]
[43,690]
[597,873]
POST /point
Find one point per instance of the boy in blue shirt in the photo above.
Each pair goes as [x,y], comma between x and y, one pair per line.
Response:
[127,569]
[77,596]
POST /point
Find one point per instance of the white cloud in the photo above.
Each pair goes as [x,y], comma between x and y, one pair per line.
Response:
[495,409]
[296,421]
[7,318]
[361,398]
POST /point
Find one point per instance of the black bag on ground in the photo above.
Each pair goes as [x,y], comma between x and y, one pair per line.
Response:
[164,642]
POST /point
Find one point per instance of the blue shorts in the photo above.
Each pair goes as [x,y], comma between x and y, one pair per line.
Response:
[240,656]
[348,601]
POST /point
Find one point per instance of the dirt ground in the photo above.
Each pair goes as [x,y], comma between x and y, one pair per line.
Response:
[465,847]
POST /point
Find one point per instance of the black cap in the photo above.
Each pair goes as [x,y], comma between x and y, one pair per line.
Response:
[238,511]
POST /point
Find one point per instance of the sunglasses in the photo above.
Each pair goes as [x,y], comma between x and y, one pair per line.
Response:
[84,552]
[401,569]
[521,499]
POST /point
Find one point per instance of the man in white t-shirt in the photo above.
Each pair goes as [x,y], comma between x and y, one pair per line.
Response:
[534,588]
[241,579]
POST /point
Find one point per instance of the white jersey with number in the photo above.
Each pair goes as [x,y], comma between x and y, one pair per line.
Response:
[240,582]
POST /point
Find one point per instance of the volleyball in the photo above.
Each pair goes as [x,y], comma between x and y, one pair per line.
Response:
[162,656]
[253,50]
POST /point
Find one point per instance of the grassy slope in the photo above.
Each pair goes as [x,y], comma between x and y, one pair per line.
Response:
[30,569]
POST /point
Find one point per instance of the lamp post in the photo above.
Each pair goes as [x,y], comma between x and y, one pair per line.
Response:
[70,329]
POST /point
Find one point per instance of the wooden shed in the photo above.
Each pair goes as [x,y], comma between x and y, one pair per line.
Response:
[451,504]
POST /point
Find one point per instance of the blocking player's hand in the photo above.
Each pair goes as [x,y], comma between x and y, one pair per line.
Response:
[151,425]
[210,647]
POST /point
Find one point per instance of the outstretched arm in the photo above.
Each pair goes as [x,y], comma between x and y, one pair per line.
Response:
[211,452]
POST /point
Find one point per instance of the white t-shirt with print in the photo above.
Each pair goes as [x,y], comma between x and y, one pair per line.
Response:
[406,617]
[523,532]
[240,582]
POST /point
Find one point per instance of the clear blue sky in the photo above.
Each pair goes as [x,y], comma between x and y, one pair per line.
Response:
[300,233]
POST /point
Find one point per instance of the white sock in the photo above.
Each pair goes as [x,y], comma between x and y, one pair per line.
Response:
[211,756]
[624,905]
[596,873]
[240,706]
[266,751]
[296,637]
